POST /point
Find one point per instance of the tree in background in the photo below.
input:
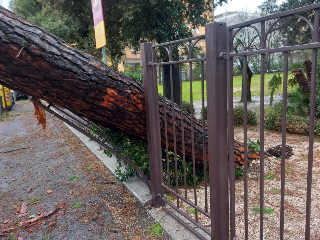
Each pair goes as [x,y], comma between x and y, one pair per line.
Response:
[296,30]
[127,22]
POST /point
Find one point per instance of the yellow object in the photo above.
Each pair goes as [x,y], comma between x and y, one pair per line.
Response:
[8,97]
[100,34]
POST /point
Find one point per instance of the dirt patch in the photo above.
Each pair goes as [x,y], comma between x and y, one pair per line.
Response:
[53,187]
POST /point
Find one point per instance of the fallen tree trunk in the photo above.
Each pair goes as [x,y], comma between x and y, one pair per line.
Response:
[45,67]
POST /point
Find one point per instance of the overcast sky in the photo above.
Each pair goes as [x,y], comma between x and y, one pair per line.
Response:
[234,5]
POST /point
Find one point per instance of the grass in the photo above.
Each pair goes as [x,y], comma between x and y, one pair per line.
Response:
[275,191]
[7,115]
[89,167]
[77,205]
[169,198]
[269,176]
[46,236]
[73,177]
[11,237]
[237,83]
[35,199]
[155,230]
[192,211]
[265,210]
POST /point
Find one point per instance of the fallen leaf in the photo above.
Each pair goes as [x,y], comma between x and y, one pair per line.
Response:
[32,216]
[89,229]
[85,220]
[5,221]
[137,237]
[63,204]
[18,209]
[71,192]
[24,208]
[52,224]
[49,191]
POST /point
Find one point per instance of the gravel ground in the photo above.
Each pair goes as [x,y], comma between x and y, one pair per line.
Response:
[296,168]
[53,171]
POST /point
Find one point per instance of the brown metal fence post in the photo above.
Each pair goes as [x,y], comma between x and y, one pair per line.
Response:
[216,47]
[153,124]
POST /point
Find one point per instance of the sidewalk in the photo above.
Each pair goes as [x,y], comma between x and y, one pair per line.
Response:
[53,187]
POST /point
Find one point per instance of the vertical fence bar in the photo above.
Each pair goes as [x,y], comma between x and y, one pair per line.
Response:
[153,124]
[192,132]
[174,127]
[231,138]
[182,138]
[283,151]
[204,153]
[165,124]
[216,36]
[245,141]
[315,38]
[262,46]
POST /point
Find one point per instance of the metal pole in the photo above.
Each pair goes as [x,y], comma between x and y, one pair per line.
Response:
[5,99]
[104,55]
[216,48]
[1,108]
[153,123]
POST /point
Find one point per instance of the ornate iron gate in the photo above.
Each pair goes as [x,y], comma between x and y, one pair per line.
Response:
[223,208]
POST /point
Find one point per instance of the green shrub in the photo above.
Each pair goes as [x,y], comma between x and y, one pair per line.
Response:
[297,65]
[205,110]
[134,148]
[294,124]
[274,84]
[238,171]
[135,73]
[187,106]
[298,103]
[273,117]
[137,150]
[238,113]
[189,171]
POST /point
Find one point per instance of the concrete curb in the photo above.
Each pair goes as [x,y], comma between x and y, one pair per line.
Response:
[141,192]
[135,185]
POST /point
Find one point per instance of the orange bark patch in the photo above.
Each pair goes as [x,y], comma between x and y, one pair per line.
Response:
[96,65]
[112,97]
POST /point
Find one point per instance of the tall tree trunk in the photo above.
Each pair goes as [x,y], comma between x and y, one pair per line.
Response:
[39,64]
[175,83]
[45,67]
[246,83]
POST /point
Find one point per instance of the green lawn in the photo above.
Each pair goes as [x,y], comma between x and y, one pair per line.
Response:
[196,87]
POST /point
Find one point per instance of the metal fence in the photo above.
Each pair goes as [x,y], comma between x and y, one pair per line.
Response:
[195,148]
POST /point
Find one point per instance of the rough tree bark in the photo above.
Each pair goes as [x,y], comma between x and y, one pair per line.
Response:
[304,80]
[39,64]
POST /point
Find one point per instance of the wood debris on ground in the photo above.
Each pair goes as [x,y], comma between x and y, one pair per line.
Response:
[38,217]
